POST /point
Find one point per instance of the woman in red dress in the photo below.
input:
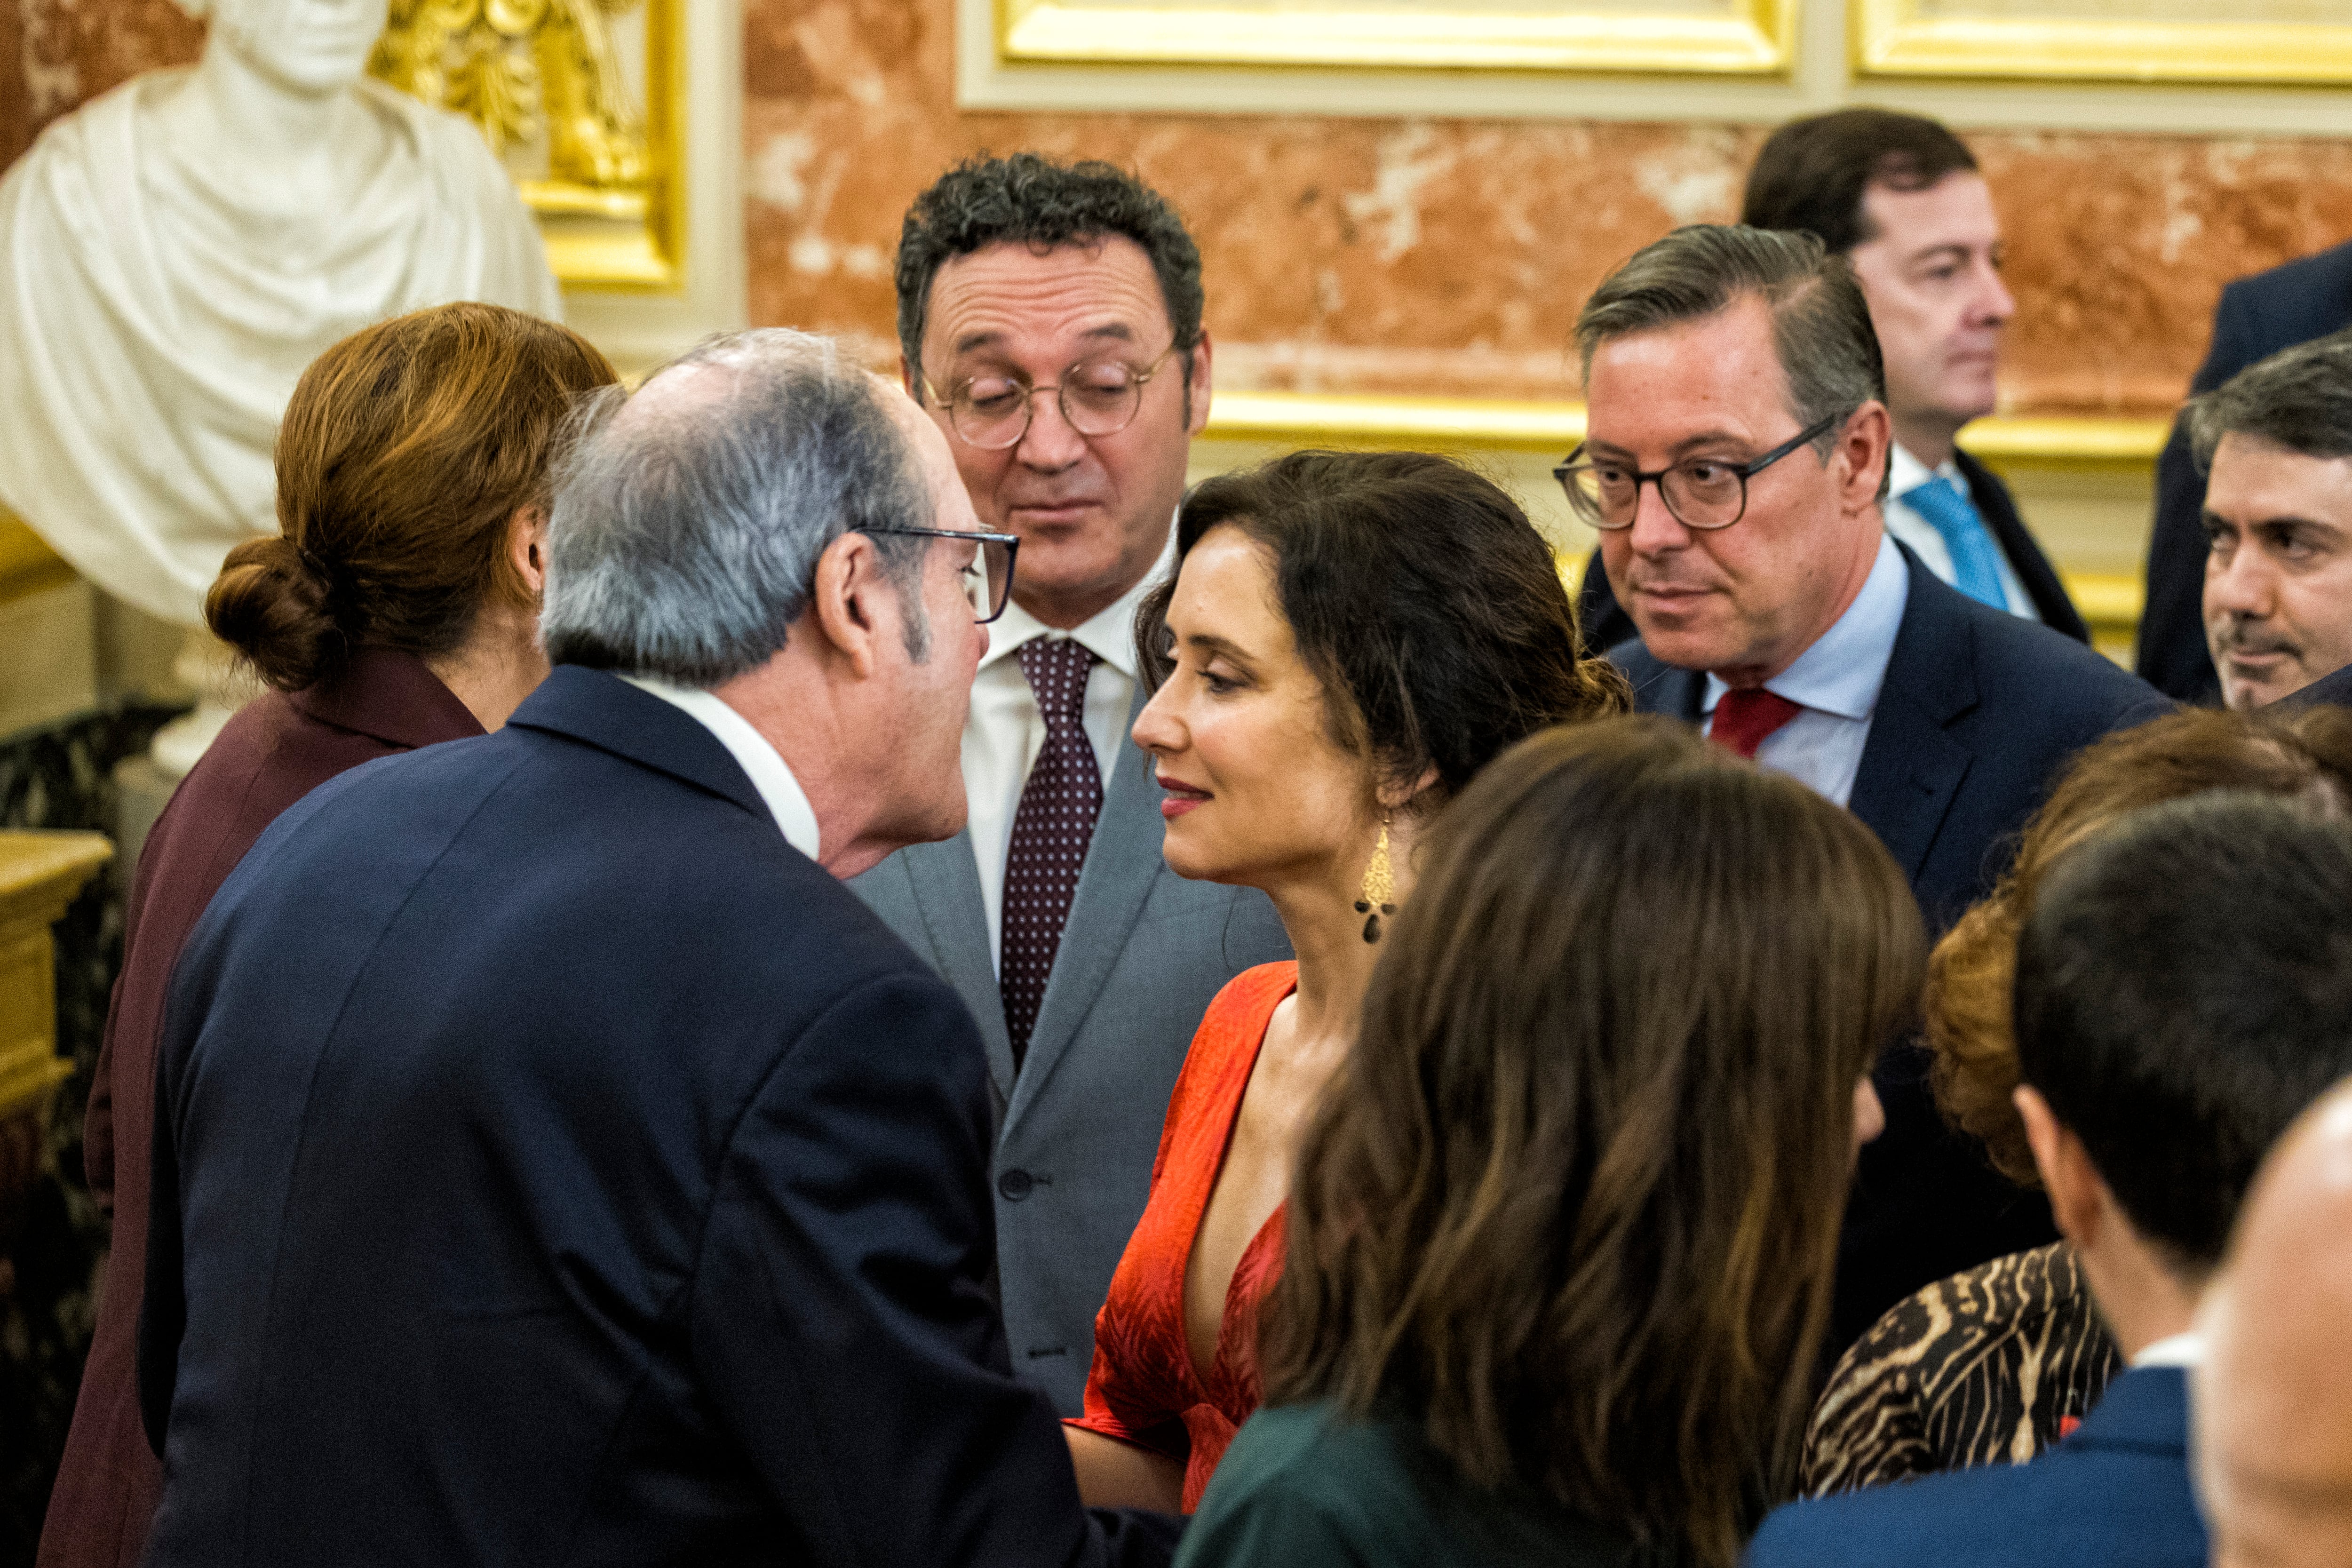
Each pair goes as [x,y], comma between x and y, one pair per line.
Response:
[1348,639]
[397,607]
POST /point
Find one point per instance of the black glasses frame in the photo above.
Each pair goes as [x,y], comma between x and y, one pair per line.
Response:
[1587,508]
[1061,400]
[1000,594]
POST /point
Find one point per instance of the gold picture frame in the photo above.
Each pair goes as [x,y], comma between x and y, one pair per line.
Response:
[1905,39]
[1749,38]
[612,203]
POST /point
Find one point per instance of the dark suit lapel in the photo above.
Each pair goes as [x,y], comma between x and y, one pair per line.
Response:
[945,880]
[1659,687]
[1911,768]
[1122,862]
[2041,580]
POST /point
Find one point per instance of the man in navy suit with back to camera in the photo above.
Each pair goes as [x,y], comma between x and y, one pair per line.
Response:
[1899,196]
[1734,467]
[554,1162]
[2184,991]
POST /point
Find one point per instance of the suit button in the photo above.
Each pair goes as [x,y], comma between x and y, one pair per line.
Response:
[1014,1186]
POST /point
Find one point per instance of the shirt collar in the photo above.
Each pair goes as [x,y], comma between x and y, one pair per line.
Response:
[2187,1349]
[1109,635]
[761,762]
[1843,672]
[1906,473]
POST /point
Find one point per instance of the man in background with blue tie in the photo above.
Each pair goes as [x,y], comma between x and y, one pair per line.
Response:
[1899,196]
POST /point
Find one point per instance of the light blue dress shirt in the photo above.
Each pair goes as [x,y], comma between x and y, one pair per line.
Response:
[1836,681]
[1906,473]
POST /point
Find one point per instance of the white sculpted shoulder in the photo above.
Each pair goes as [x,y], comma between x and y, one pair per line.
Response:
[174,253]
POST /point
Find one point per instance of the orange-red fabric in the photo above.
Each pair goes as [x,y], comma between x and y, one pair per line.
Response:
[1144,1387]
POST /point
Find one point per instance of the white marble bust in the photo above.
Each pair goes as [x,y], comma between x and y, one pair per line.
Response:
[173,253]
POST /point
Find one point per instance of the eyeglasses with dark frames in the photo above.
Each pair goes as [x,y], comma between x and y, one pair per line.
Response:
[1097,397]
[987,580]
[1703,493]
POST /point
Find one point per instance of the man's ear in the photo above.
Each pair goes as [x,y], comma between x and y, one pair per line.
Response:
[852,604]
[2077,1195]
[1866,446]
[1196,416]
[910,376]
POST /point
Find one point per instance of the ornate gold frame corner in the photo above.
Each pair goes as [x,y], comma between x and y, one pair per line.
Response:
[1893,38]
[1758,39]
[616,220]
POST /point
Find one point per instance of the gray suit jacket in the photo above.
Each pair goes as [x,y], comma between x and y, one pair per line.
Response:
[1143,954]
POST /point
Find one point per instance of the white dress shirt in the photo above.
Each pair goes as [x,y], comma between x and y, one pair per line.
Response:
[2175,1350]
[787,802]
[1005,731]
[1836,683]
[1907,473]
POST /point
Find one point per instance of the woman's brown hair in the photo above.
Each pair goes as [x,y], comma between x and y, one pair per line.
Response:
[1972,973]
[1571,1202]
[404,451]
[1422,597]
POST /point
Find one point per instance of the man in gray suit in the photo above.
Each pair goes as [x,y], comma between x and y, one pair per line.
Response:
[1049,318]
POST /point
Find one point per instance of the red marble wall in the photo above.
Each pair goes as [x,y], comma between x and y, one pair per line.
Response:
[1451,255]
[1376,254]
[54,54]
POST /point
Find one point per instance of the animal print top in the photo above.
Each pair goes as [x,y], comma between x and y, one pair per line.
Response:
[1991,1365]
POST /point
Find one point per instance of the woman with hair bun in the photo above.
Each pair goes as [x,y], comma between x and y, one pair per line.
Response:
[397,607]
[1348,639]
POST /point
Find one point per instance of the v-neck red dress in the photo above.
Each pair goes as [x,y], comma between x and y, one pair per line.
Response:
[1144,1387]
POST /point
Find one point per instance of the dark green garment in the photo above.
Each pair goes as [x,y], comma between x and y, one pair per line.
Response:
[1304,1488]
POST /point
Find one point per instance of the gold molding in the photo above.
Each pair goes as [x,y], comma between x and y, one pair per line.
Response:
[613,216]
[1757,37]
[1359,419]
[40,873]
[1893,38]
[27,565]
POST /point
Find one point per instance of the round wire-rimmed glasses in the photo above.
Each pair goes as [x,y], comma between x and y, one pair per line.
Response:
[987,581]
[1097,396]
[1704,493]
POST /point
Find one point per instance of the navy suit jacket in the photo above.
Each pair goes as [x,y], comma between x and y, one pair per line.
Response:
[2258,316]
[1605,623]
[1979,711]
[552,1164]
[2114,1495]
[2335,688]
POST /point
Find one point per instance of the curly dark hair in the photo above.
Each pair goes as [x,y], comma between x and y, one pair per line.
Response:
[1030,199]
[1419,595]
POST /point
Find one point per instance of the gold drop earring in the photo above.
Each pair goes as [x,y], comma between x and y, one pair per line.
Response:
[1380,885]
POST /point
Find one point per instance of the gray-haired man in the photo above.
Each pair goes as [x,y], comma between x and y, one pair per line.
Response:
[1049,318]
[553,1157]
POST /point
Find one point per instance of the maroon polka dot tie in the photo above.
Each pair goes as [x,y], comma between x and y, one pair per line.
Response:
[1051,830]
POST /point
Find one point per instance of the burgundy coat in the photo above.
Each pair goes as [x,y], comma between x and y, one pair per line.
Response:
[275,752]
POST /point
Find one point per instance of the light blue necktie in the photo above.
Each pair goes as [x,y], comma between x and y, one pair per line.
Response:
[1976,559]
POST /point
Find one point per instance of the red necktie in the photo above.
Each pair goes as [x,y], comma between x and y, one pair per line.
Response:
[1051,829]
[1743,718]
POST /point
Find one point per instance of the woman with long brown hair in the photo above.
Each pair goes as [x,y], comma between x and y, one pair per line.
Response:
[1995,1364]
[1348,639]
[1562,1231]
[397,606]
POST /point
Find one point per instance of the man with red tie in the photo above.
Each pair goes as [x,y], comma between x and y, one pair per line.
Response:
[1734,463]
